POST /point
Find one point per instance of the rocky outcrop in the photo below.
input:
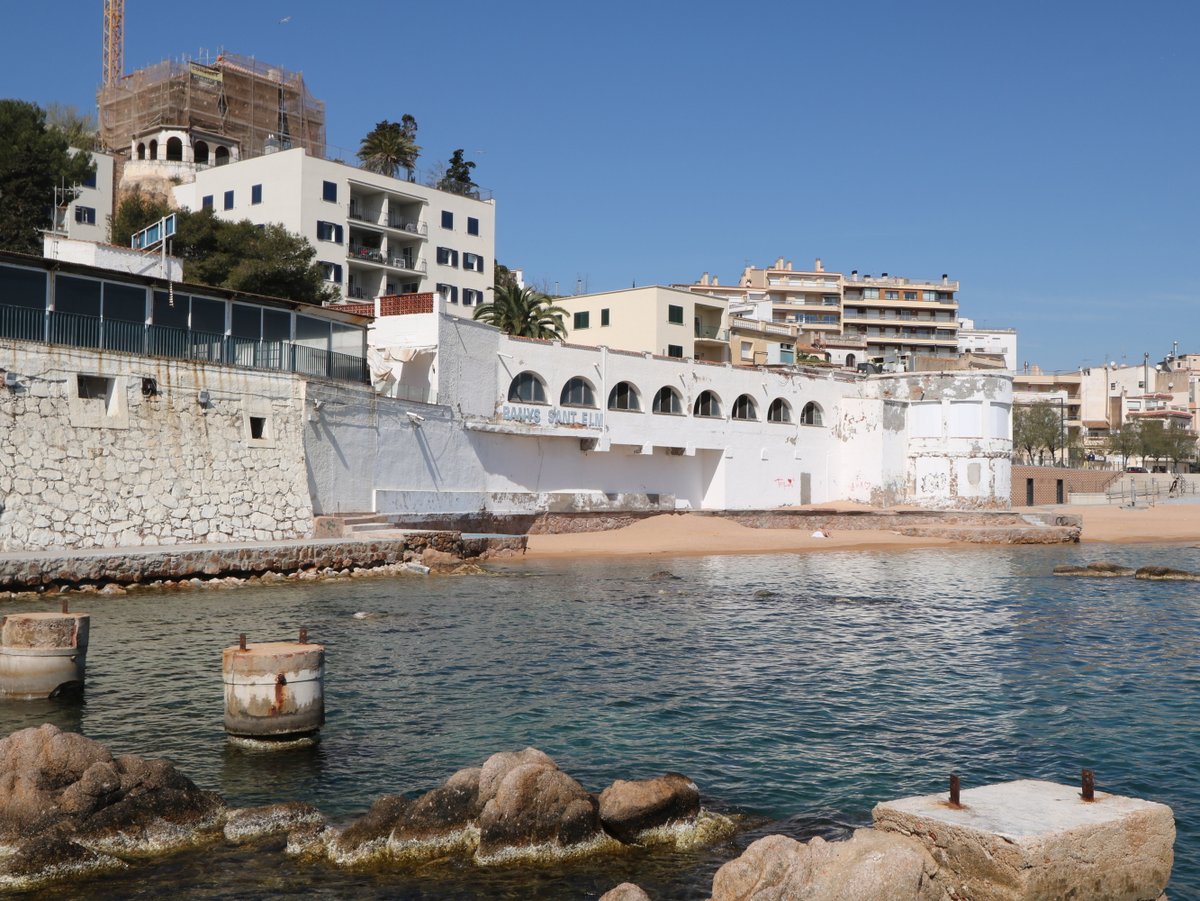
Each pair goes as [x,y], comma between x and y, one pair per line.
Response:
[1101,569]
[537,805]
[871,866]
[250,823]
[1166,574]
[518,804]
[626,891]
[627,809]
[66,804]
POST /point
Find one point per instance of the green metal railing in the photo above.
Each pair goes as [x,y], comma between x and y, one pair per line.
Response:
[73,330]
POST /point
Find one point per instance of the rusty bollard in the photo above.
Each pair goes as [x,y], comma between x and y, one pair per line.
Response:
[1088,785]
[274,691]
[43,655]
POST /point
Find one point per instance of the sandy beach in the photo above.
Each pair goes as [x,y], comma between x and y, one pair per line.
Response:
[1125,525]
[672,535]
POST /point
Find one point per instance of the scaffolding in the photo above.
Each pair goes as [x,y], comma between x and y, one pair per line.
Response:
[263,108]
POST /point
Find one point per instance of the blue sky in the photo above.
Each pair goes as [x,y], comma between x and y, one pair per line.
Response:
[1044,154]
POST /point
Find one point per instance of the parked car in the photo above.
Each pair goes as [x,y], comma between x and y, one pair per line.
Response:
[1136,469]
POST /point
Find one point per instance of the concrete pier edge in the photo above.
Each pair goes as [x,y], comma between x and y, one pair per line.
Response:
[65,568]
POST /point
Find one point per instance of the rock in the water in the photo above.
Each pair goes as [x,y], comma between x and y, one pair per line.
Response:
[444,810]
[370,832]
[1099,569]
[1166,574]
[60,791]
[628,808]
[248,823]
[626,891]
[49,857]
[871,866]
[496,767]
[537,805]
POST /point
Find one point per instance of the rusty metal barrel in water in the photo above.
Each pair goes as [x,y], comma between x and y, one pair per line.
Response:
[274,691]
[43,655]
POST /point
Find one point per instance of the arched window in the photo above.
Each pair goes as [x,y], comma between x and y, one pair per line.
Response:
[222,156]
[849,361]
[745,408]
[153,149]
[577,393]
[624,396]
[200,152]
[811,414]
[175,150]
[707,404]
[141,150]
[667,401]
[779,411]
[527,388]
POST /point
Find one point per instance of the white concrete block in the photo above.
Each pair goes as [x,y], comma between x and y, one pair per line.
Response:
[1032,840]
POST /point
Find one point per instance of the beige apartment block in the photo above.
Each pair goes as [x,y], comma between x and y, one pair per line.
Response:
[887,316]
[655,319]
[901,315]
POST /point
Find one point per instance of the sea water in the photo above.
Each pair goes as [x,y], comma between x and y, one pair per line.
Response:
[795,689]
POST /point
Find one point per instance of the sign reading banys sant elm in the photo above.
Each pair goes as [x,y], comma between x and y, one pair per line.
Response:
[530,415]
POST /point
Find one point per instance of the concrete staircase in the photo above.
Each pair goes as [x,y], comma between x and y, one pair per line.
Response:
[350,525]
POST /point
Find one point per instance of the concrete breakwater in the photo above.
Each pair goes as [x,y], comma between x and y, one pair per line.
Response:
[39,571]
[973,526]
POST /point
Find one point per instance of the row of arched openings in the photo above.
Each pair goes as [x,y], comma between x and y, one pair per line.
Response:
[530,388]
[173,152]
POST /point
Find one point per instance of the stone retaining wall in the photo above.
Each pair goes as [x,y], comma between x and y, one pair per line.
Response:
[106,449]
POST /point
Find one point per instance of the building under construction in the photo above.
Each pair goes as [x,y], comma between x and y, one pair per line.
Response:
[209,113]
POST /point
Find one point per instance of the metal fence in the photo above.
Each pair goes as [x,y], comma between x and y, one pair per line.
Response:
[73,330]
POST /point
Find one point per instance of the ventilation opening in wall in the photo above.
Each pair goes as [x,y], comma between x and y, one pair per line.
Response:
[96,388]
[258,428]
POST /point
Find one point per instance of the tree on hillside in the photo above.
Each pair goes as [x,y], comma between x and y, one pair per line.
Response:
[133,213]
[78,128]
[503,277]
[457,178]
[1126,441]
[1037,429]
[33,162]
[391,146]
[525,313]
[240,256]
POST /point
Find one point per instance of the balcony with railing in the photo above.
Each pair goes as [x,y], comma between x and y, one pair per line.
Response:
[707,332]
[408,226]
[364,252]
[74,330]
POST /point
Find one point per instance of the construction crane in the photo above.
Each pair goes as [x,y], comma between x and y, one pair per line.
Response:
[114,41]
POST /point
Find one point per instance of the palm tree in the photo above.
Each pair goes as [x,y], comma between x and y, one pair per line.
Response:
[525,313]
[389,146]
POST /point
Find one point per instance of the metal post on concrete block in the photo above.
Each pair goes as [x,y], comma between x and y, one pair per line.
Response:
[274,691]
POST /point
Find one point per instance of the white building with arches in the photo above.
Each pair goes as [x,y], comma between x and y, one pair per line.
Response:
[485,422]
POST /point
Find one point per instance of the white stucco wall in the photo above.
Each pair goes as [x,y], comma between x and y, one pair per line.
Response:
[935,439]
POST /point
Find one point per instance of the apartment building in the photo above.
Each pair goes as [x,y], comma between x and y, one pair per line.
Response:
[899,316]
[811,300]
[666,321]
[374,235]
[1000,343]
[888,316]
[86,217]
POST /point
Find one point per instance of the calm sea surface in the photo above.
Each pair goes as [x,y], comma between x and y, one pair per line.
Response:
[796,690]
